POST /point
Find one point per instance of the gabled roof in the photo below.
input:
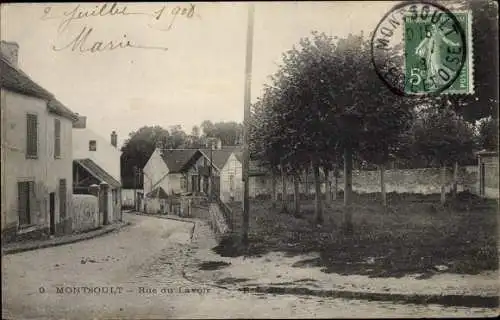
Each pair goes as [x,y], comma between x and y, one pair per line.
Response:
[157,193]
[16,80]
[220,156]
[98,172]
[177,159]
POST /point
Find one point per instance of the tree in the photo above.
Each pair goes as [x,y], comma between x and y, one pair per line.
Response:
[444,138]
[137,149]
[326,101]
[484,102]
[488,134]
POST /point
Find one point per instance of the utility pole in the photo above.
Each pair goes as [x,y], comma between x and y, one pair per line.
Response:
[210,172]
[246,119]
[135,188]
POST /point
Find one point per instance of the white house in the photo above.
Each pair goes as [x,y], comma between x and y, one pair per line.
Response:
[168,170]
[36,154]
[97,160]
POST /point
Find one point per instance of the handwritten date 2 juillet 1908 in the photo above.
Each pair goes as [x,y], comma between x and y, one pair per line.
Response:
[81,42]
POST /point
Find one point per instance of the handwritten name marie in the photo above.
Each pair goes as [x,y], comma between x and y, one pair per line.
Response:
[83,44]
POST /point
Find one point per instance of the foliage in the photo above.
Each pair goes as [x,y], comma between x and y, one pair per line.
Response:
[488,134]
[442,136]
[484,102]
[229,133]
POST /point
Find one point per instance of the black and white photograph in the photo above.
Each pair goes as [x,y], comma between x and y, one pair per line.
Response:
[249,160]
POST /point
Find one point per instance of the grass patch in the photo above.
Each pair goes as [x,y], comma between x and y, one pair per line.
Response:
[414,235]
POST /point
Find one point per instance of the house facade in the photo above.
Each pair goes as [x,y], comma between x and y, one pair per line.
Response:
[36,154]
[170,170]
[97,161]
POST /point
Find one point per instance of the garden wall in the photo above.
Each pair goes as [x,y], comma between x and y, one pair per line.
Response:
[422,181]
[85,212]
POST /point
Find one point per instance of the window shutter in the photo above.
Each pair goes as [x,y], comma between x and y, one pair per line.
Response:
[31,135]
[57,138]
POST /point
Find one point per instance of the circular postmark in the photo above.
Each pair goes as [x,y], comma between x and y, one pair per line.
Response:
[419,48]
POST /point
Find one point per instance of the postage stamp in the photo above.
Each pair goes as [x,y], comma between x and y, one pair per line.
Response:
[434,53]
[421,48]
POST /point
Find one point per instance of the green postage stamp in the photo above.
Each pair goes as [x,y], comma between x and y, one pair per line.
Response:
[438,53]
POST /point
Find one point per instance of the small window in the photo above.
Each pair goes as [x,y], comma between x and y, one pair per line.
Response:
[31,136]
[231,183]
[92,145]
[57,138]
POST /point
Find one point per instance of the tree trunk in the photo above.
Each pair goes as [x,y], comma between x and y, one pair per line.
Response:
[455,179]
[296,194]
[443,184]
[318,208]
[283,191]
[347,223]
[328,188]
[274,193]
[382,184]
[336,183]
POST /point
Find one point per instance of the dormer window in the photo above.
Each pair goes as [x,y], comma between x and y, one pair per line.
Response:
[92,145]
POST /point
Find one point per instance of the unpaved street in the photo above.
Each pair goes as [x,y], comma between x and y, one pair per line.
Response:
[137,273]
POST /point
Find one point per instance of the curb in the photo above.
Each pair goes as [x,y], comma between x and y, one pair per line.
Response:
[448,300]
[57,242]
[445,300]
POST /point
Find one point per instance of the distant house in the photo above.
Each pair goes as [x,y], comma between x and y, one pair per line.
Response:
[170,170]
[488,173]
[178,171]
[36,154]
[97,160]
[221,176]
[231,183]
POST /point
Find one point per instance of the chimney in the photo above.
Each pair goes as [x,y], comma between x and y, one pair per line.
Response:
[114,138]
[81,123]
[9,51]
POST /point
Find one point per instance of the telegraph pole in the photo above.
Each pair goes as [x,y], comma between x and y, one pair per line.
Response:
[246,118]
[135,188]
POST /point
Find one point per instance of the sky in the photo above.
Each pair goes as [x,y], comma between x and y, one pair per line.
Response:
[200,76]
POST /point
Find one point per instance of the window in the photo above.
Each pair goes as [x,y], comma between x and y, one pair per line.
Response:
[231,183]
[92,145]
[57,138]
[31,136]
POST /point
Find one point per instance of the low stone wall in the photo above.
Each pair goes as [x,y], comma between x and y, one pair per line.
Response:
[85,212]
[422,181]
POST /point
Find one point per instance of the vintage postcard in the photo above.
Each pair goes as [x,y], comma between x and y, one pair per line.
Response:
[181,160]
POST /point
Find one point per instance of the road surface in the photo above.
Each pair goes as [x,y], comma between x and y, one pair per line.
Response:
[137,273]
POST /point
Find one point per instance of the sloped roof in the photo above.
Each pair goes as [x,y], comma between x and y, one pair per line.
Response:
[177,159]
[98,172]
[157,193]
[219,156]
[16,80]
